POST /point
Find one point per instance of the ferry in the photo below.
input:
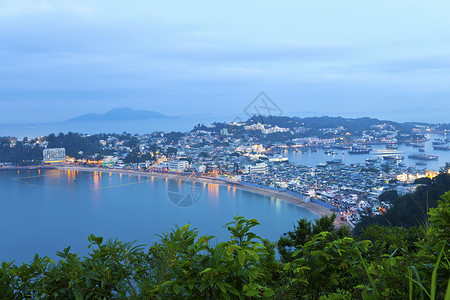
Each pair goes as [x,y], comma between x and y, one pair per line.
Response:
[438,142]
[336,161]
[423,156]
[441,147]
[393,157]
[359,150]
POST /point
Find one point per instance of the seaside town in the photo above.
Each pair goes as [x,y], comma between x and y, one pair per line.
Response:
[253,153]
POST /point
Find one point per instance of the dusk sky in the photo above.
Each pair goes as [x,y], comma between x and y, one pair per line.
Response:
[386,59]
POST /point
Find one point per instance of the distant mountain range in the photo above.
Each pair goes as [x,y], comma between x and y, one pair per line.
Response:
[121,114]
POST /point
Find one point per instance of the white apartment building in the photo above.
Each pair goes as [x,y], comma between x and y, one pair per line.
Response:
[258,168]
[54,155]
[178,165]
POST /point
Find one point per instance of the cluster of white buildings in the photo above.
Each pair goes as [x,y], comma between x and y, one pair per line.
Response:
[259,126]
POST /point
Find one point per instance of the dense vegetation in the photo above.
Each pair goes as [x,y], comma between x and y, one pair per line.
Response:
[87,146]
[351,124]
[317,262]
[21,154]
[78,145]
[312,127]
[411,209]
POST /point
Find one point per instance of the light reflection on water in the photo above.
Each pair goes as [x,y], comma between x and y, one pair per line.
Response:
[53,209]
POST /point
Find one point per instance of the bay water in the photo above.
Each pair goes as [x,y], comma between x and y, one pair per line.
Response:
[45,211]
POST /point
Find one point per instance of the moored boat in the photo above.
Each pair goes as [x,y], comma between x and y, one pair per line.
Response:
[372,160]
[441,147]
[392,157]
[423,156]
[359,150]
[417,145]
[438,142]
[391,146]
[336,161]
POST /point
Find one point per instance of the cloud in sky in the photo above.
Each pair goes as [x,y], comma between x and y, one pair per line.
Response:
[62,58]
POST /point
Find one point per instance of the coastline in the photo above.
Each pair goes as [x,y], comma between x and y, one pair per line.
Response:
[35,167]
[282,195]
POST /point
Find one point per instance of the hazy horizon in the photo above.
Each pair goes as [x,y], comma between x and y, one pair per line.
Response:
[62,59]
[411,115]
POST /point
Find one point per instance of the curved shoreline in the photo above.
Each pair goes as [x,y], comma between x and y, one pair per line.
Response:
[282,195]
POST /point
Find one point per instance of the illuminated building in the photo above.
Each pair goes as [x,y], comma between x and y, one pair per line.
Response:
[258,168]
[178,165]
[54,155]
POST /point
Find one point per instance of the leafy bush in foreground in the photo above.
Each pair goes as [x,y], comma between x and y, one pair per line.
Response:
[388,263]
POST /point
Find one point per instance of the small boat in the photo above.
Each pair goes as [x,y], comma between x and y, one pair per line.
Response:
[336,161]
[393,157]
[372,160]
[341,147]
[391,146]
[417,145]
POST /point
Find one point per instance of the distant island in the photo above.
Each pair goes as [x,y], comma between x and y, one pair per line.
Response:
[120,114]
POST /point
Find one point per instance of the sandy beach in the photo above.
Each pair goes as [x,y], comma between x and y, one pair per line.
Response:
[316,208]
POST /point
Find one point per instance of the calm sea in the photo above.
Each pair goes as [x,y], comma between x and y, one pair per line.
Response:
[33,130]
[314,158]
[46,211]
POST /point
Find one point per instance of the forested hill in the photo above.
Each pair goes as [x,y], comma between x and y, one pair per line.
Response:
[353,124]
[411,209]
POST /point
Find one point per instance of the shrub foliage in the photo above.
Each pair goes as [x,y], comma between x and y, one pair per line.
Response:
[315,261]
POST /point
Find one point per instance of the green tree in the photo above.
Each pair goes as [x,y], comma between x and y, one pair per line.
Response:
[388,196]
[304,231]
